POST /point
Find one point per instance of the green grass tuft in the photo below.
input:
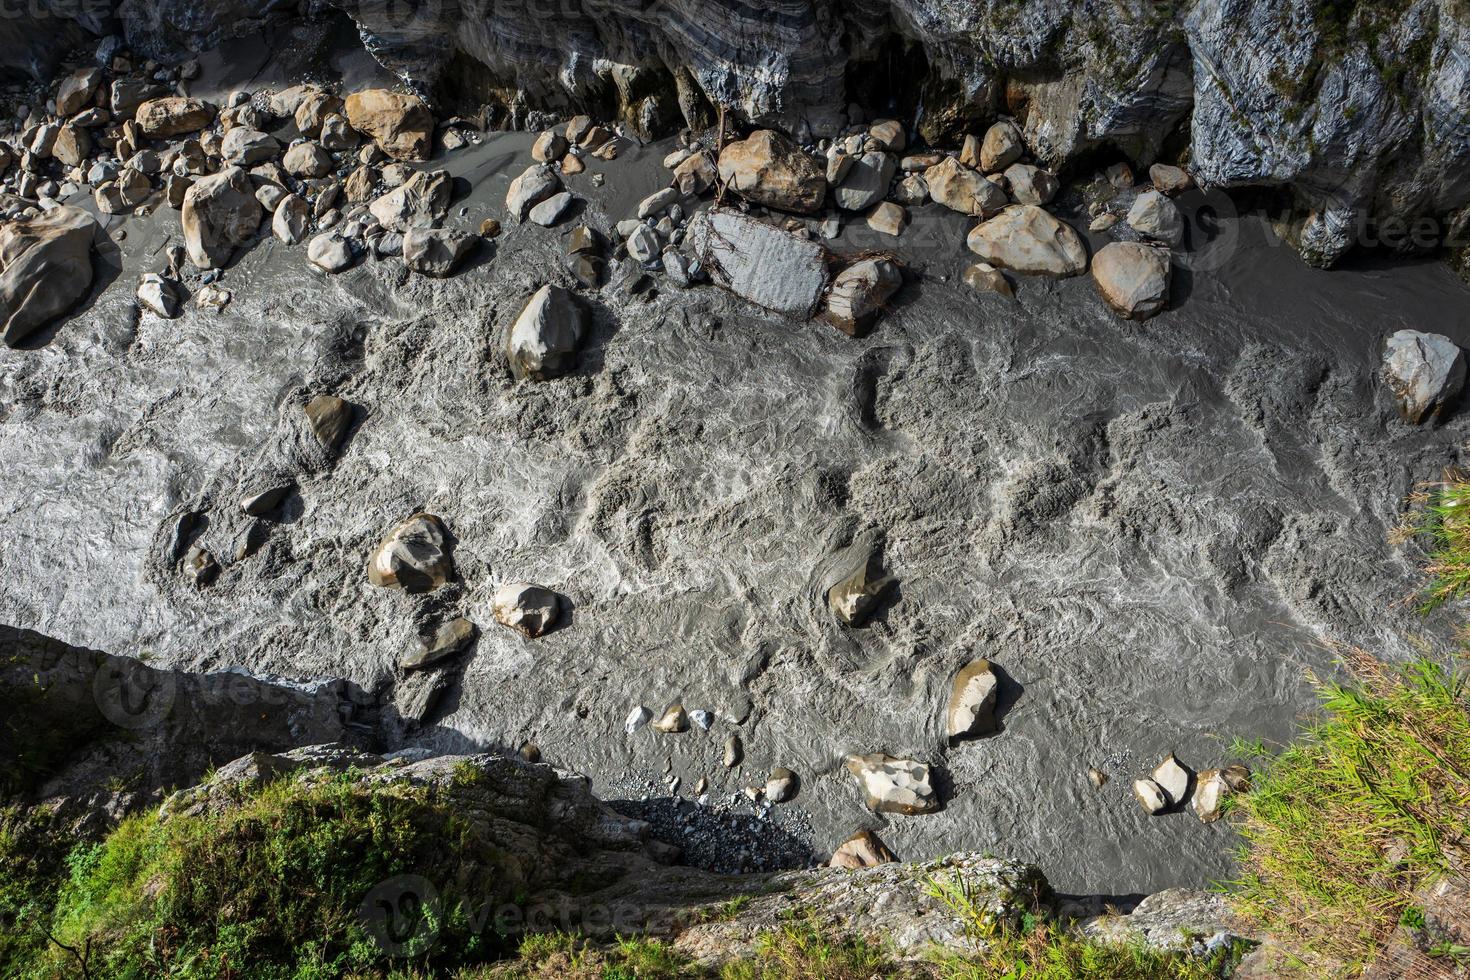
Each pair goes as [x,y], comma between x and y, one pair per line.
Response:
[1439,515]
[1370,804]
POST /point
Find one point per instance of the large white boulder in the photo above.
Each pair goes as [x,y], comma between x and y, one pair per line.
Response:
[544,340]
[769,267]
[1132,278]
[1027,239]
[1425,372]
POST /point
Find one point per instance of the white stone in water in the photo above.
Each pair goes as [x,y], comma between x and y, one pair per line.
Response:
[528,609]
[894,785]
[1151,796]
[1173,778]
[702,718]
[636,719]
[972,700]
[780,785]
[1425,371]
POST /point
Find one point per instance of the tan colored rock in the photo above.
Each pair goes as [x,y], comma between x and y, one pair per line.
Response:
[436,252]
[961,189]
[695,175]
[291,220]
[1169,179]
[1002,147]
[549,146]
[534,185]
[360,184]
[78,91]
[1028,240]
[1151,796]
[673,721]
[972,698]
[172,116]
[400,124]
[986,278]
[862,850]
[329,418]
[1031,185]
[45,269]
[313,106]
[888,219]
[1132,278]
[414,556]
[72,145]
[307,160]
[447,640]
[220,212]
[528,609]
[1172,778]
[769,169]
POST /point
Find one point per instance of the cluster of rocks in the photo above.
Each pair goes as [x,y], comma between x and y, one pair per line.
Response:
[1171,785]
[339,175]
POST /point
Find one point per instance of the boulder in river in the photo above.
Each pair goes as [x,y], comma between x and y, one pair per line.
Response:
[863,849]
[972,699]
[986,278]
[400,124]
[436,251]
[529,609]
[769,267]
[1133,278]
[543,342]
[859,294]
[768,168]
[854,598]
[1425,372]
[894,785]
[291,219]
[448,640]
[1151,796]
[1213,786]
[158,296]
[329,418]
[329,252]
[673,721]
[1027,239]
[781,785]
[414,556]
[45,269]
[220,212]
[1172,778]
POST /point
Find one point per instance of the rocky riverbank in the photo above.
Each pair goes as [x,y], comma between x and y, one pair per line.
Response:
[868,481]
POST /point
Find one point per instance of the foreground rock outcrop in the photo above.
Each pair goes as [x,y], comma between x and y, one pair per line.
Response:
[45,269]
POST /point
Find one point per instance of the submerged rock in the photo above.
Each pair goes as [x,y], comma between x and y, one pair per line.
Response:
[1027,239]
[863,849]
[986,278]
[528,609]
[854,598]
[448,640]
[543,342]
[893,785]
[1425,372]
[329,252]
[45,269]
[414,556]
[972,700]
[636,719]
[158,296]
[1132,278]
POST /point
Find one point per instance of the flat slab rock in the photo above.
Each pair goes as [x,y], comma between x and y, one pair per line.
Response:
[769,267]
